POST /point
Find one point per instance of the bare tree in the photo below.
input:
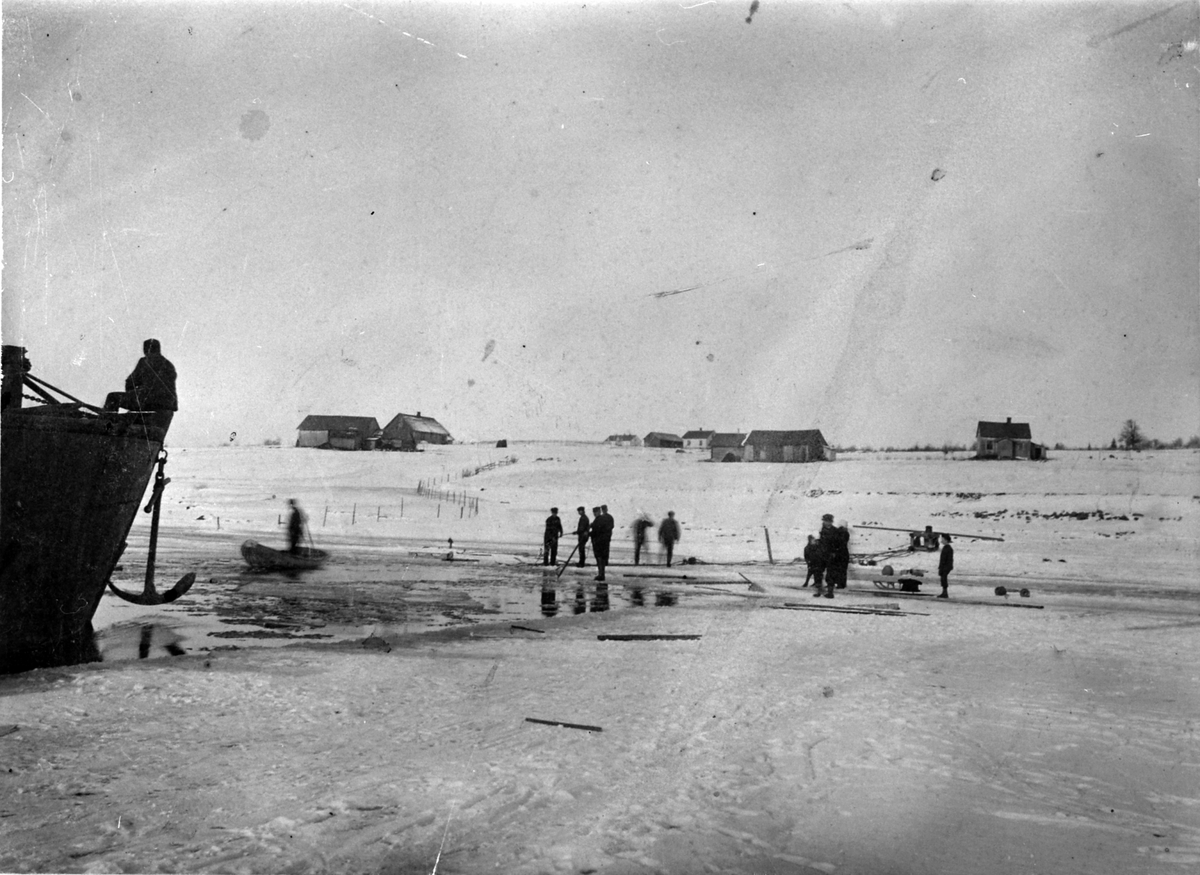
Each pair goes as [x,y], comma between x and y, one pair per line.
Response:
[1131,436]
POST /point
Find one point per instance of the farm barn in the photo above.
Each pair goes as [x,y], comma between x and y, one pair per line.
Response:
[623,440]
[727,446]
[808,445]
[338,432]
[663,439]
[406,430]
[1006,440]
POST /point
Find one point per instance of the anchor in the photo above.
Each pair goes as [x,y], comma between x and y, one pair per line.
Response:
[149,595]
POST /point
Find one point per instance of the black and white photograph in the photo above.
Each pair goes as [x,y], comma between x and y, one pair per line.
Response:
[650,437]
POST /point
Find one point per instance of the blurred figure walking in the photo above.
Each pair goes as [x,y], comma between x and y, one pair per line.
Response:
[640,526]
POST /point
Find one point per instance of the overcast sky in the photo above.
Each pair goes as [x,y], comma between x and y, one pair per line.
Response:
[886,221]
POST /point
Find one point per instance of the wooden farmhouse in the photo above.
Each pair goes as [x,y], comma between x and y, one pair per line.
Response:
[623,440]
[697,439]
[1006,440]
[406,430]
[726,446]
[808,445]
[338,432]
[663,439]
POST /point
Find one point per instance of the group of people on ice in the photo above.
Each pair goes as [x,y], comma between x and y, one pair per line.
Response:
[828,557]
[599,531]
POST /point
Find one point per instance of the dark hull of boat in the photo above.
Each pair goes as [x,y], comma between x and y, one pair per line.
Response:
[70,488]
[266,558]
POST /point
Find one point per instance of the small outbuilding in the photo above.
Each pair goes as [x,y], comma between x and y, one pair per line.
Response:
[726,446]
[807,445]
[338,432]
[406,430]
[1006,440]
[623,440]
[663,439]
[698,439]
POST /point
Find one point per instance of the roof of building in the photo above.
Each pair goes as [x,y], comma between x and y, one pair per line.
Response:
[727,439]
[763,438]
[663,435]
[364,425]
[620,437]
[418,423]
[698,434]
[1015,431]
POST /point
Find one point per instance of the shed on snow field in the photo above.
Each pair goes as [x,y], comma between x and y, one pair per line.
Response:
[1006,440]
[727,446]
[807,445]
[663,439]
[406,430]
[338,432]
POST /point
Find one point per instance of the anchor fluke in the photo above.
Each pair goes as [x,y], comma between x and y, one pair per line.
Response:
[150,596]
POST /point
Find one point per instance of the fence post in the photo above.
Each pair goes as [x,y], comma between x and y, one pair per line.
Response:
[326,517]
[354,513]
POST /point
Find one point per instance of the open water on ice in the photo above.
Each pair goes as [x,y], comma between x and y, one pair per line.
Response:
[348,600]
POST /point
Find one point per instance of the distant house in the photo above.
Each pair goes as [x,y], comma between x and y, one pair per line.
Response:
[406,430]
[623,440]
[808,445]
[663,439]
[1006,440]
[338,432]
[726,446]
[698,439]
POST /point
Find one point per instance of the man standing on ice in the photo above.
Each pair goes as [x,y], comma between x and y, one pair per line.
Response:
[945,566]
[601,534]
[668,534]
[838,557]
[295,526]
[582,529]
[810,554]
[554,531]
[824,552]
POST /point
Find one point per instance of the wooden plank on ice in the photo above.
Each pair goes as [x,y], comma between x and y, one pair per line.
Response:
[648,637]
[583,726]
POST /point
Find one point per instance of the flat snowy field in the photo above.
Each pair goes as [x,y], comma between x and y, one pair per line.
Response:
[875,733]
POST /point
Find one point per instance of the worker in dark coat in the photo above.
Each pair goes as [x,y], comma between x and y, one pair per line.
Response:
[945,566]
[640,527]
[839,557]
[151,386]
[554,531]
[295,526]
[582,529]
[827,545]
[601,535]
[810,554]
[669,534]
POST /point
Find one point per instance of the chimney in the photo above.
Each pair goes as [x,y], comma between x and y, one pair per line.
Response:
[419,414]
[1008,420]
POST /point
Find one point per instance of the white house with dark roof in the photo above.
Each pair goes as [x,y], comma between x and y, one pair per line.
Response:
[698,439]
[1006,440]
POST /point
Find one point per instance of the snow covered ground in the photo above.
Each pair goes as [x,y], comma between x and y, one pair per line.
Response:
[877,733]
